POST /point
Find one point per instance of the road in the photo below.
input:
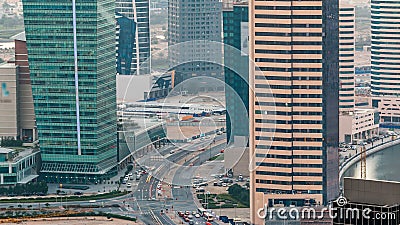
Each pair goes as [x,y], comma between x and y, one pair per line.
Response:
[182,198]
[141,201]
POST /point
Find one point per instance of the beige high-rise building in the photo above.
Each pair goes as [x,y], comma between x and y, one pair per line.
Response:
[295,99]
[346,58]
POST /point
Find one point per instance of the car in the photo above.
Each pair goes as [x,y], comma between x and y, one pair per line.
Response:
[62,193]
[224,185]
[190,216]
[219,133]
[78,193]
[222,151]
[186,219]
[128,185]
[187,213]
[181,214]
[191,222]
[194,212]
[197,215]
[172,152]
[203,184]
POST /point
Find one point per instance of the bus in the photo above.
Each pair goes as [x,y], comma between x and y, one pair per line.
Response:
[201,211]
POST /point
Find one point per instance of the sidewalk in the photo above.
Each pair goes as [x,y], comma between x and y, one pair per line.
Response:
[93,188]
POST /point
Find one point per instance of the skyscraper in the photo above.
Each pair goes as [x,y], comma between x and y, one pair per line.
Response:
[197,23]
[294,94]
[138,41]
[385,60]
[236,70]
[71,54]
[346,57]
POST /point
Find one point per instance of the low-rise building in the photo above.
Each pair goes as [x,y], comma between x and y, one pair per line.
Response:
[136,136]
[18,166]
[369,202]
[360,125]
[144,87]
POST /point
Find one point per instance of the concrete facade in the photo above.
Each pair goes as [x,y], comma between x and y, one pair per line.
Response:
[192,26]
[294,95]
[26,113]
[360,125]
[347,29]
[8,101]
[18,167]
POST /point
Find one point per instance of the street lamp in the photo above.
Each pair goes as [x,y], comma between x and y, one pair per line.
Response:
[206,195]
[235,205]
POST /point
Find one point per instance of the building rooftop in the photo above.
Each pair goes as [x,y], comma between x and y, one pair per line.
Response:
[137,125]
[19,37]
[7,65]
[5,150]
[18,153]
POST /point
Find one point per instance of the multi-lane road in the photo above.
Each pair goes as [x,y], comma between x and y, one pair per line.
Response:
[169,159]
[142,202]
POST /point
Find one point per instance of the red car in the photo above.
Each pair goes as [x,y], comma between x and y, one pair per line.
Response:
[222,151]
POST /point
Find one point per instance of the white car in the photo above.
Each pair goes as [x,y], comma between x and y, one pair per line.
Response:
[128,185]
[197,215]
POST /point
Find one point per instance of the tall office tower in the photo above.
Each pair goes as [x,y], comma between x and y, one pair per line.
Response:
[138,11]
[192,25]
[346,58]
[26,112]
[385,60]
[236,71]
[71,54]
[294,127]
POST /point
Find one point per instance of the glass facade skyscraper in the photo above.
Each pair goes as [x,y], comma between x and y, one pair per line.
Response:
[71,53]
[236,61]
[139,12]
[385,60]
